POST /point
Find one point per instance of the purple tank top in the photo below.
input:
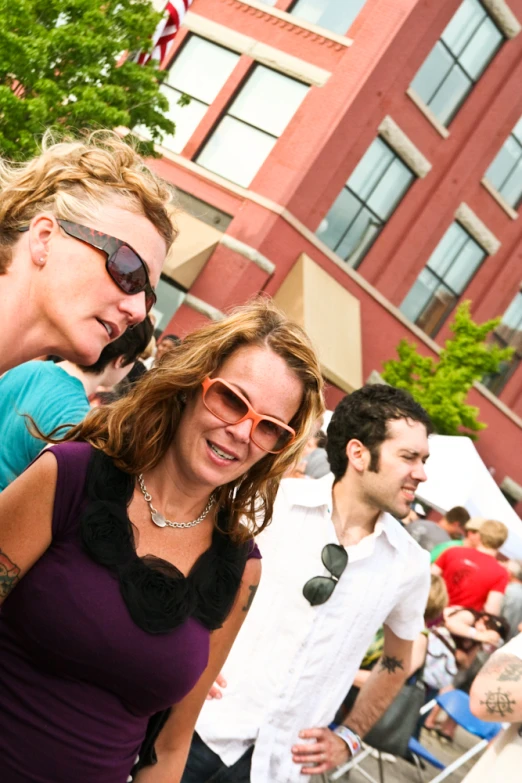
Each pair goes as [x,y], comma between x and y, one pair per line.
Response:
[78,678]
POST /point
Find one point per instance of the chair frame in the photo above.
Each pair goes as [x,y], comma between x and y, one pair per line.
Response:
[445,773]
[367,751]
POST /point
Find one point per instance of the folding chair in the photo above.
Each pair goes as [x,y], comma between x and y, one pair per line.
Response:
[419,751]
[456,705]
[415,748]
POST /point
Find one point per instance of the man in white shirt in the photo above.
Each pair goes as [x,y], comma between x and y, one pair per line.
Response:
[295,657]
[496,695]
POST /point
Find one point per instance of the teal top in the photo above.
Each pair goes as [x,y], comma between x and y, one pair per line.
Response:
[50,396]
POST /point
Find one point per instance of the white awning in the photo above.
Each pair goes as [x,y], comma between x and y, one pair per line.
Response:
[458,477]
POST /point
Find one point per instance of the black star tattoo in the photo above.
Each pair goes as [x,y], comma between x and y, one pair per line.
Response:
[390,664]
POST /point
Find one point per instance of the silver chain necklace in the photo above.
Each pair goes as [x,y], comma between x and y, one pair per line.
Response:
[160,520]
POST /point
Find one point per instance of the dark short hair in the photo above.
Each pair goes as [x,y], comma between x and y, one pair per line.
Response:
[458,514]
[495,623]
[130,345]
[136,373]
[320,439]
[364,415]
[170,338]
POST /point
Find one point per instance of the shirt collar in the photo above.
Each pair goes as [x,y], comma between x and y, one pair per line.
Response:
[310,493]
[388,525]
[314,493]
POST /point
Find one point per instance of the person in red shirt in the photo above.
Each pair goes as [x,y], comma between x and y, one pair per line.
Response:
[474,577]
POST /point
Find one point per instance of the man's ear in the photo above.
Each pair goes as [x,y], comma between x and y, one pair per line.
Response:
[118,362]
[357,454]
[41,230]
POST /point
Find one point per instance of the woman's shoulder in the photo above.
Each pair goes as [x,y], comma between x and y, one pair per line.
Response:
[71,459]
[76,451]
[253,552]
[73,463]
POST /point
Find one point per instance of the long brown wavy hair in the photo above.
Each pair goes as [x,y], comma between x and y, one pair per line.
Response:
[137,430]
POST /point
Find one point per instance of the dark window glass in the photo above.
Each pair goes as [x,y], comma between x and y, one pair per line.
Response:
[170,298]
[448,272]
[458,60]
[370,196]
[505,173]
[508,332]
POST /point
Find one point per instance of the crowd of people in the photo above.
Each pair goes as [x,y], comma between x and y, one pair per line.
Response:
[143,489]
[481,622]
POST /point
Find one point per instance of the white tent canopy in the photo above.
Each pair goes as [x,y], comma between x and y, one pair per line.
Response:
[458,477]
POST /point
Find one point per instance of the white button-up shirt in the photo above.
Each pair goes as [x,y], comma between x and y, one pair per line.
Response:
[292,664]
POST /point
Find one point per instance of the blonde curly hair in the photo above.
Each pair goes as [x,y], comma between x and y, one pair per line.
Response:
[73,180]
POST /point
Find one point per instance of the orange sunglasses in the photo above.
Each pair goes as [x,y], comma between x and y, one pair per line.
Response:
[228,405]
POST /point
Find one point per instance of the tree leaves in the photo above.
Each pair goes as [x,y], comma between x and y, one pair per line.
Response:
[441,385]
[61,66]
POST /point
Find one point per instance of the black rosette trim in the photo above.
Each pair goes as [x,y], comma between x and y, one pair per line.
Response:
[158,596]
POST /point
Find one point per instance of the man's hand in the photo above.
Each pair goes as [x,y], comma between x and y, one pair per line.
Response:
[327,752]
[215,692]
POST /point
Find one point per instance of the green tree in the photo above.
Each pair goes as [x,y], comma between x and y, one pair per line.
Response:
[59,68]
[441,384]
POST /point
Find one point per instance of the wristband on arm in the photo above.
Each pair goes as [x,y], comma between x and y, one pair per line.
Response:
[352,740]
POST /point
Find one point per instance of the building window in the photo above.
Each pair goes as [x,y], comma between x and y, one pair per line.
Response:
[505,173]
[449,270]
[507,333]
[365,203]
[457,60]
[334,15]
[203,211]
[199,71]
[244,138]
[170,298]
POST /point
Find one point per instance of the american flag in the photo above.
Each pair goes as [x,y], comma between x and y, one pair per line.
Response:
[166,30]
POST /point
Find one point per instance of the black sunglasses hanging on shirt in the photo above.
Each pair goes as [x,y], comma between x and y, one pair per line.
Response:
[318,589]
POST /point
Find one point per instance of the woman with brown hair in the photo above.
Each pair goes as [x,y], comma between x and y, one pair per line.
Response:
[84,231]
[128,560]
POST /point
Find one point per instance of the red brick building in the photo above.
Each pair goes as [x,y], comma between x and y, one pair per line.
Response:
[360,161]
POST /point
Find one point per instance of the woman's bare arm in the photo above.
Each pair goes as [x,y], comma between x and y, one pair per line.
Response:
[26,513]
[173,744]
[460,622]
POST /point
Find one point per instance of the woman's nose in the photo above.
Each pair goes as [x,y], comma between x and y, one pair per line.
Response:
[241,431]
[136,307]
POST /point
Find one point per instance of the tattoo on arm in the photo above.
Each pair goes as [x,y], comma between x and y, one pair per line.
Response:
[390,664]
[498,702]
[9,575]
[512,672]
[248,604]
[503,668]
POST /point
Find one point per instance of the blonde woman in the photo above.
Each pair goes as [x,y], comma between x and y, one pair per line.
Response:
[84,231]
[128,557]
